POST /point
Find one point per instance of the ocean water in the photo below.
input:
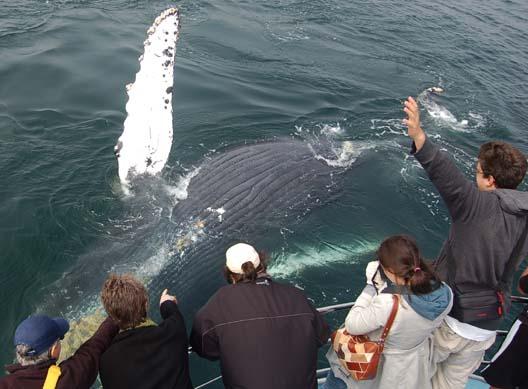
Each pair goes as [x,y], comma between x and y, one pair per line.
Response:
[331,73]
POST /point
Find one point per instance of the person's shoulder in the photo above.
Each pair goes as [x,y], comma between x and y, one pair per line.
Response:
[385,298]
[288,287]
[385,301]
[223,291]
[292,291]
[8,381]
[220,295]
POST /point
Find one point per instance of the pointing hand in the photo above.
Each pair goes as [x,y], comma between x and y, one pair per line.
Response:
[165,296]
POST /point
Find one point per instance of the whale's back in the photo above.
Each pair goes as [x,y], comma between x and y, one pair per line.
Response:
[257,182]
[239,195]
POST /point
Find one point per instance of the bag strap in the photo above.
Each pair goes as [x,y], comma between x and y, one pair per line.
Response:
[508,269]
[513,262]
[392,316]
[52,377]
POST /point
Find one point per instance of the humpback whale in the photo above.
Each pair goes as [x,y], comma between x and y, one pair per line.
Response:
[243,194]
[250,192]
[235,195]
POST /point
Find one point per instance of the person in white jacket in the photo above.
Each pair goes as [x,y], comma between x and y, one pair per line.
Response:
[424,302]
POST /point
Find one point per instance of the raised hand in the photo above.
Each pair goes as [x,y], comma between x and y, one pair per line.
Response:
[414,130]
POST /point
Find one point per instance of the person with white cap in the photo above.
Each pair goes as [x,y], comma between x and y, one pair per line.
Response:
[37,341]
[265,334]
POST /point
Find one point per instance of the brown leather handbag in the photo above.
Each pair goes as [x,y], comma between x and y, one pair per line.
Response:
[357,353]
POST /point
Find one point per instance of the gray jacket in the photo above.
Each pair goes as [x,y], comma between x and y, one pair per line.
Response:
[406,359]
[485,228]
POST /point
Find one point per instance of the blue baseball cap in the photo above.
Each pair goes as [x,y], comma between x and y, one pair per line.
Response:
[40,332]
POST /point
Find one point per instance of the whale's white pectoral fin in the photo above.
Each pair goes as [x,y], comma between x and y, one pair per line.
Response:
[145,144]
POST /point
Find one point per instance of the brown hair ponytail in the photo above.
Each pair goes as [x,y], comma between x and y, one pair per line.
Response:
[400,255]
[250,272]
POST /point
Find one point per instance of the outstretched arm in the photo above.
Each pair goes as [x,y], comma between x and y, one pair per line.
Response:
[460,195]
[172,317]
[414,129]
[81,369]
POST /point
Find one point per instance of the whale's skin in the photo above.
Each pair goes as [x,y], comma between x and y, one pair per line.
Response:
[239,195]
[255,182]
[244,193]
[144,146]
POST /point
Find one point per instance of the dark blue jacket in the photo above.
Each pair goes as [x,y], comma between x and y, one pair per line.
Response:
[266,335]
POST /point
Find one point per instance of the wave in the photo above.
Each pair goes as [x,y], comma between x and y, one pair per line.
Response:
[441,115]
[287,264]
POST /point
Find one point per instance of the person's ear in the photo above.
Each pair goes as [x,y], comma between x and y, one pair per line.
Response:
[490,182]
[55,350]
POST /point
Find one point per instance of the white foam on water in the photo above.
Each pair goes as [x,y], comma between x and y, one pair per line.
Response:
[332,131]
[179,191]
[327,144]
[345,154]
[287,264]
[153,265]
[478,119]
[444,117]
[388,126]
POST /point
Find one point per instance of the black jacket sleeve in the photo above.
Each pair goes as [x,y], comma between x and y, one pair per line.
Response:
[523,284]
[459,194]
[322,329]
[81,369]
[204,339]
[172,318]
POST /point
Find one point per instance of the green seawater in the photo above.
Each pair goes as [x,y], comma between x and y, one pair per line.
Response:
[330,72]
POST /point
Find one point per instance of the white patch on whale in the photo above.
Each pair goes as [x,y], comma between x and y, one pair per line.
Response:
[220,211]
[146,141]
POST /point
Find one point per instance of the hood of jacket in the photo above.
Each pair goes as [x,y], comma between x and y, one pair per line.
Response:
[513,201]
[431,305]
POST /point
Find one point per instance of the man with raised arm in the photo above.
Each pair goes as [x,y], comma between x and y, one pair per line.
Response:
[486,242]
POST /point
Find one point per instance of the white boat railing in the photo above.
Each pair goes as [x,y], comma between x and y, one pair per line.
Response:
[321,373]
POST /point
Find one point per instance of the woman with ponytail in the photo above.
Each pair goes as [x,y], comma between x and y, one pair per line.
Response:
[424,301]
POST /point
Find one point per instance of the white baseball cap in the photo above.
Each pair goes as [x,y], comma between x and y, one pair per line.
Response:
[239,254]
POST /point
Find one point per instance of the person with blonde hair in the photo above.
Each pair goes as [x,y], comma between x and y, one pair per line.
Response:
[143,355]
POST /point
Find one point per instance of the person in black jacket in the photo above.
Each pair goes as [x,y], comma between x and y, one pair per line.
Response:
[143,355]
[264,333]
[486,243]
[508,366]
